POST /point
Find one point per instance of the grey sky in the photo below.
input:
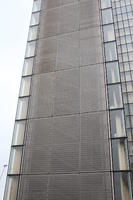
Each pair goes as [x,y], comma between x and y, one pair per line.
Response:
[14,18]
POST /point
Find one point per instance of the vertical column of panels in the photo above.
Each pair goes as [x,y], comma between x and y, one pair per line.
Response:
[67,152]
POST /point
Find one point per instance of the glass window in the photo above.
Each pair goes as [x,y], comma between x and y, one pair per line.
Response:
[105,4]
[33,33]
[129,134]
[15,160]
[113,72]
[131,109]
[22,108]
[120,154]
[115,96]
[28,65]
[107,16]
[11,188]
[30,49]
[25,86]
[131,164]
[108,33]
[36,5]
[122,183]
[18,134]
[110,51]
[117,123]
[130,97]
[130,148]
[129,86]
[34,19]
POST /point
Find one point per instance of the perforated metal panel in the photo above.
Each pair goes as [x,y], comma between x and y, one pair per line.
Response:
[33,188]
[89,14]
[92,88]
[41,101]
[64,187]
[68,51]
[95,186]
[67,92]
[90,50]
[65,158]
[46,55]
[36,160]
[94,142]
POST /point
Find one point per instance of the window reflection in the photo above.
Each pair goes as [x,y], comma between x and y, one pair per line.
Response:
[117,123]
[105,4]
[28,65]
[15,160]
[115,96]
[22,108]
[108,33]
[25,86]
[120,155]
[107,16]
[113,72]
[36,5]
[130,97]
[122,186]
[32,33]
[11,188]
[30,49]
[34,19]
[110,51]
[18,134]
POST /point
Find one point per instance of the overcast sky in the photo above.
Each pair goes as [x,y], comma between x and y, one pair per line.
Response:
[14,19]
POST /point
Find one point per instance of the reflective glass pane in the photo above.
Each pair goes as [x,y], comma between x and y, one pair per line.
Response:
[25,86]
[108,31]
[122,183]
[115,96]
[36,5]
[131,163]
[131,109]
[130,97]
[105,4]
[130,145]
[28,65]
[120,154]
[15,160]
[107,16]
[18,134]
[113,72]
[34,19]
[110,51]
[11,188]
[117,123]
[22,108]
[33,33]
[30,49]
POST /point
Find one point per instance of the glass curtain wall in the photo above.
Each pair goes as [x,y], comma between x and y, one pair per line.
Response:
[120,118]
[14,168]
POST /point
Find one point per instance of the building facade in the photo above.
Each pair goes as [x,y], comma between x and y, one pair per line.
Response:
[73,133]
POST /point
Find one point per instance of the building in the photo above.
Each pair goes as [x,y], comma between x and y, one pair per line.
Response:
[74,123]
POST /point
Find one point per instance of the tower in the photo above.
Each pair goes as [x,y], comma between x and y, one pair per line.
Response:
[73,130]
